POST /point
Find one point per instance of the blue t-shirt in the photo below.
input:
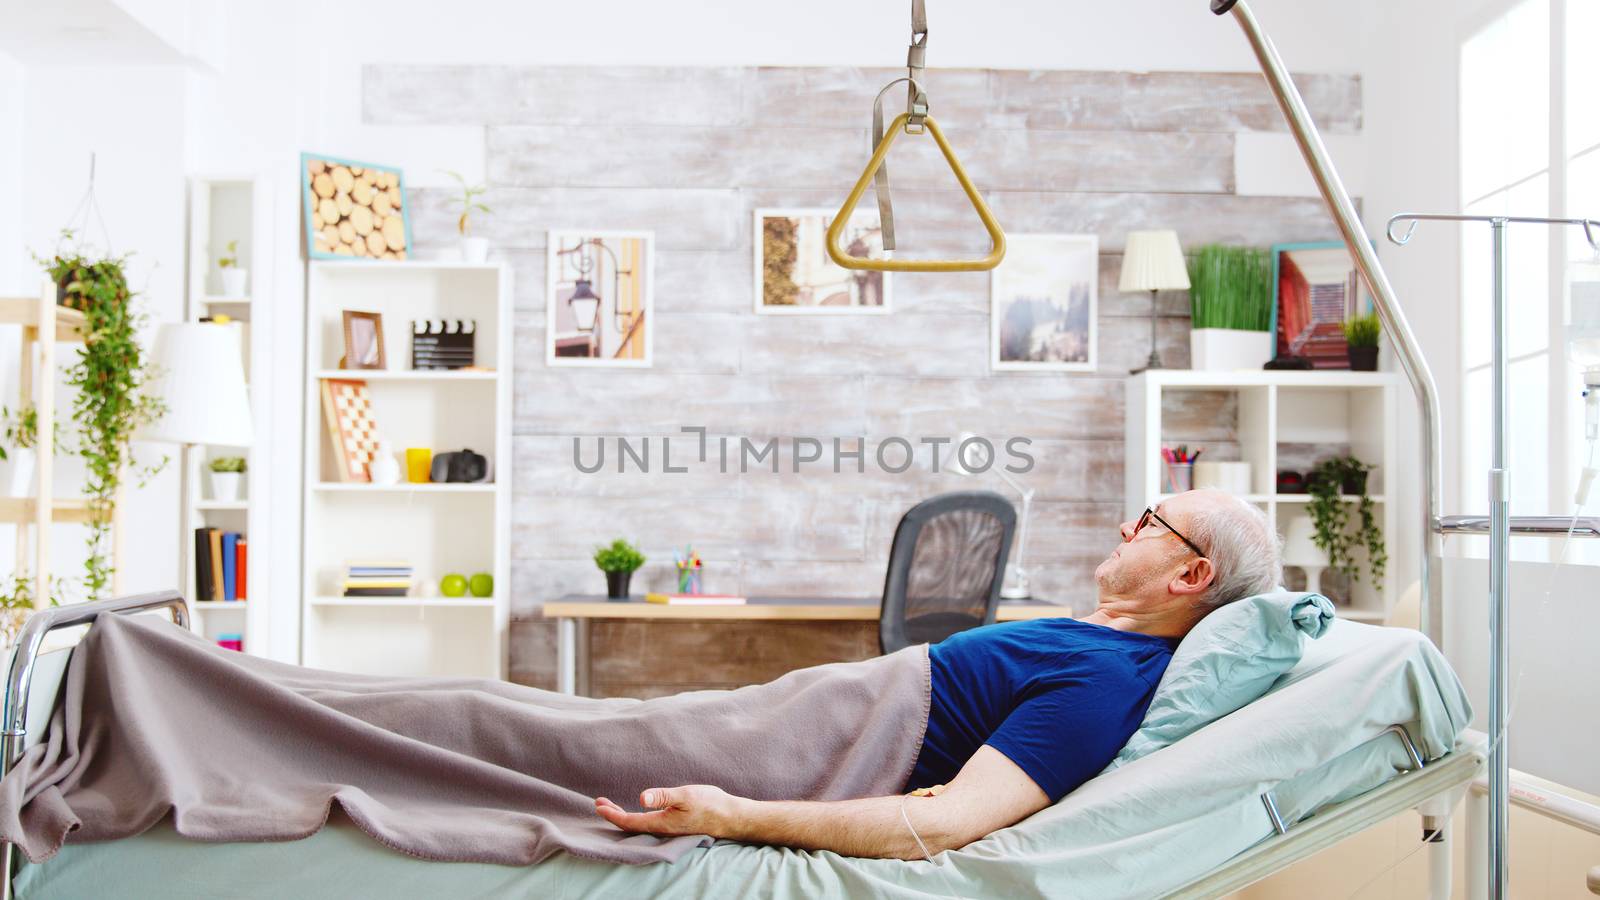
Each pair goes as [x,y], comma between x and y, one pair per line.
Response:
[1058,697]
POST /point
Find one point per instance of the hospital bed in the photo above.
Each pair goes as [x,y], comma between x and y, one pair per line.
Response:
[1361,729]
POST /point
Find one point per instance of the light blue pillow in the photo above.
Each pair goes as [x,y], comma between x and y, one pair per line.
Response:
[1228,660]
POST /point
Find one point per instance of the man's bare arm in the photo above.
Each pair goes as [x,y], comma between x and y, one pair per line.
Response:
[989,793]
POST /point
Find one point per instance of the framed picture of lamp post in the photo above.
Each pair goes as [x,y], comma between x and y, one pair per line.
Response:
[1043,304]
[794,274]
[598,290]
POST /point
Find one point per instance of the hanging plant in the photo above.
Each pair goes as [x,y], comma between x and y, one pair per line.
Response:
[110,401]
[1330,516]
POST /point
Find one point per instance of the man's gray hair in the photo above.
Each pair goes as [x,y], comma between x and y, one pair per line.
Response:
[1242,547]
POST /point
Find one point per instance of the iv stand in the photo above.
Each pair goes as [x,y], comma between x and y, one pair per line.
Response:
[1499,527]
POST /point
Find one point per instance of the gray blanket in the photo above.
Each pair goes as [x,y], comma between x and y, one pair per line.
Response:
[154,720]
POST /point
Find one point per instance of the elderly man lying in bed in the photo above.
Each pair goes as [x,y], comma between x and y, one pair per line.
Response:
[996,723]
[1021,713]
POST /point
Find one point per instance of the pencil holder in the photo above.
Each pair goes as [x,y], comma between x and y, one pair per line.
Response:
[688,579]
[1180,477]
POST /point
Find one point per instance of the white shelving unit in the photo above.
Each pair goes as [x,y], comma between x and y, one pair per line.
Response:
[1352,411]
[437,528]
[226,208]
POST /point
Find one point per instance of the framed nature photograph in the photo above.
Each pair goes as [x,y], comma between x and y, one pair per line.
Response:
[353,209]
[599,286]
[363,341]
[1044,300]
[1315,288]
[794,275]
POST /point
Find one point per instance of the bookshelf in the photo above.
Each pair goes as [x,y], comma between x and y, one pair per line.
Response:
[224,208]
[1282,419]
[437,529]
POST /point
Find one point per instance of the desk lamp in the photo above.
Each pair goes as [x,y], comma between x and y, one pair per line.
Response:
[966,458]
[1152,261]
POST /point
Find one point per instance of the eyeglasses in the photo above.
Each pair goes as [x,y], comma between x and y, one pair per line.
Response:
[1150,513]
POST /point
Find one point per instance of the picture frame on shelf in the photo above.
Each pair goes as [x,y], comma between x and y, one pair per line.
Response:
[600,287]
[795,276]
[1315,289]
[1044,304]
[363,341]
[354,210]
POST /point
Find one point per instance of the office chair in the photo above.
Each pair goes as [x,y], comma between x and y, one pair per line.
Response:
[945,568]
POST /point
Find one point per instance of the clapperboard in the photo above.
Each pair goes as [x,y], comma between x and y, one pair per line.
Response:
[442,343]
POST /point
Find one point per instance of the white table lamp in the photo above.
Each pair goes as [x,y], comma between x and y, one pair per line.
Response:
[200,380]
[1153,261]
[1016,586]
[1300,550]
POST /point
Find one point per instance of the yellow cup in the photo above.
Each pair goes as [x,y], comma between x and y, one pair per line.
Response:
[419,465]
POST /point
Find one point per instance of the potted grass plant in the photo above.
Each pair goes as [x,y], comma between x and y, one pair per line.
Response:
[619,560]
[1361,333]
[1230,308]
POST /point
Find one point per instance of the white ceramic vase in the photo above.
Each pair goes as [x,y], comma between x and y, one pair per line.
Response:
[1228,350]
[385,468]
[225,486]
[16,471]
[235,282]
[474,249]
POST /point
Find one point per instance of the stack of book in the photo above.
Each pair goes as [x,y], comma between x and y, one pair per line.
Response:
[220,565]
[377,579]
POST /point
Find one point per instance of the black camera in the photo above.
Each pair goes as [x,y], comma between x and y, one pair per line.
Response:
[460,465]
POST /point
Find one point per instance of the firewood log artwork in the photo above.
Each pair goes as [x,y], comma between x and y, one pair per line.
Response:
[355,210]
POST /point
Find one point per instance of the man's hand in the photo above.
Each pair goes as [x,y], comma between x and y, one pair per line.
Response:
[691,809]
[990,792]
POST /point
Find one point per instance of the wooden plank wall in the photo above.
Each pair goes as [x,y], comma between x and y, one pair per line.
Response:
[688,154]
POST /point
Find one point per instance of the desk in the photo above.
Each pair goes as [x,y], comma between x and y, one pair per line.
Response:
[571,608]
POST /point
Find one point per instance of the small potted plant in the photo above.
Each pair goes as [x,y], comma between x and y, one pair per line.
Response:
[1230,308]
[619,561]
[1330,516]
[473,249]
[1361,333]
[18,455]
[226,474]
[235,279]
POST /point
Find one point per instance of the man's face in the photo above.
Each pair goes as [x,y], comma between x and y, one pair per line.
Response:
[1150,557]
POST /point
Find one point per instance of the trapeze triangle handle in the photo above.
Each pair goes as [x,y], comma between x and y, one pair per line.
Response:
[840,220]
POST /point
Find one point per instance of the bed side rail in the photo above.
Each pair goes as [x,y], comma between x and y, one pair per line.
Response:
[19,677]
[1328,827]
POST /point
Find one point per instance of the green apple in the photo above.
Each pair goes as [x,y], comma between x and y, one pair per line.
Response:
[482,585]
[453,585]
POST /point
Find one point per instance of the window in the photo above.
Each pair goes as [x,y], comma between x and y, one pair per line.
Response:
[1518,158]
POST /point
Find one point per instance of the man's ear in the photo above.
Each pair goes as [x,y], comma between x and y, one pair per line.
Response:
[1195,578]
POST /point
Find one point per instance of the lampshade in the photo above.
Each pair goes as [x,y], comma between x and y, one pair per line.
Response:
[200,379]
[1153,261]
[1300,547]
[585,305]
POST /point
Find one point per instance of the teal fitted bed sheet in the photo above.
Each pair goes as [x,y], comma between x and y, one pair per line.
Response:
[1138,831]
